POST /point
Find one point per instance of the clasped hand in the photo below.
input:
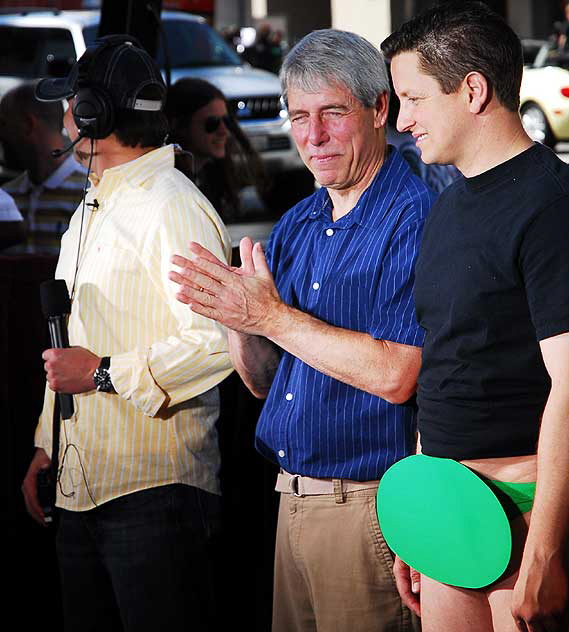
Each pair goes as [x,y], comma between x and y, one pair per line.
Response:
[244,299]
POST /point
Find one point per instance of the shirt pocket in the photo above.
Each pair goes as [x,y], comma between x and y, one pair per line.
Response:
[111,279]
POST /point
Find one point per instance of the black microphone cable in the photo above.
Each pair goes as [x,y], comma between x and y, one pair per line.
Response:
[70,445]
[82,218]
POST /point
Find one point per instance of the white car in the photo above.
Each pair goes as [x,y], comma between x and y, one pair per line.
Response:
[544,97]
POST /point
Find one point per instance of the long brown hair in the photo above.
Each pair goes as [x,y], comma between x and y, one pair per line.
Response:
[221,179]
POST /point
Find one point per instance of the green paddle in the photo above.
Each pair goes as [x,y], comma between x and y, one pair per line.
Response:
[444,521]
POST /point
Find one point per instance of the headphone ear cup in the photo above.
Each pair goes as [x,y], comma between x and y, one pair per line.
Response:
[93,112]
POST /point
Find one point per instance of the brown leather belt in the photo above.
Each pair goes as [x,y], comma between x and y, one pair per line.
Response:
[307,486]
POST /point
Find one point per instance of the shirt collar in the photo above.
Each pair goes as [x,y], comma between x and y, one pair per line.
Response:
[20,184]
[135,172]
[23,184]
[388,175]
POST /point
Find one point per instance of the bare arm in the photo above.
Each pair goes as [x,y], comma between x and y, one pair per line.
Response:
[255,359]
[541,592]
[248,302]
[380,367]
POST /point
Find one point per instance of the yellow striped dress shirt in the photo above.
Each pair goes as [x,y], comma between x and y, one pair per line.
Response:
[165,360]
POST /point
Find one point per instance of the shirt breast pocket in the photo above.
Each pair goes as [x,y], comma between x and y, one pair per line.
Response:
[115,257]
[111,277]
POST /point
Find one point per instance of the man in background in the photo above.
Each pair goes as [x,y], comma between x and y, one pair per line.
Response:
[11,221]
[49,188]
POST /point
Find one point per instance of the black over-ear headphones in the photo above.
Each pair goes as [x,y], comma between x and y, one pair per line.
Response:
[93,108]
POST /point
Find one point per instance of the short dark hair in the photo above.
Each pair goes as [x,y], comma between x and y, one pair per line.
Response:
[134,128]
[456,38]
[22,100]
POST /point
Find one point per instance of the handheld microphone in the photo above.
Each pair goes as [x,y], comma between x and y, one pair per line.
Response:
[59,152]
[56,305]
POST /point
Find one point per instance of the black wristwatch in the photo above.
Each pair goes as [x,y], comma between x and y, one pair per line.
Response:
[102,376]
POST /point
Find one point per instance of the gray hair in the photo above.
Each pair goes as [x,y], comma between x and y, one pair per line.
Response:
[330,56]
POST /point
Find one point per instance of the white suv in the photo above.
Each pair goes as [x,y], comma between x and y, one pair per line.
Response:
[43,43]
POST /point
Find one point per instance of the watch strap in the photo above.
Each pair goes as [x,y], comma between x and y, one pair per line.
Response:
[102,376]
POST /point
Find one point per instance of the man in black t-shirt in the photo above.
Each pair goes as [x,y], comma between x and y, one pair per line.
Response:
[492,292]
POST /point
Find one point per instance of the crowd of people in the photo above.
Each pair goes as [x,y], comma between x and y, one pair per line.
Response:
[383,319]
[266,51]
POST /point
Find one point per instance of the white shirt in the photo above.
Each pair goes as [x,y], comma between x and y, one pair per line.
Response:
[8,210]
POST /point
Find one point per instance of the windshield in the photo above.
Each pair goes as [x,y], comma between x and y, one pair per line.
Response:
[195,44]
[189,44]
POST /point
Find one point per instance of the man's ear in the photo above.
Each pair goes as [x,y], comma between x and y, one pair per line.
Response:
[478,92]
[381,108]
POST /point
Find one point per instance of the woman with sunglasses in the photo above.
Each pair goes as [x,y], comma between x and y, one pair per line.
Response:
[222,160]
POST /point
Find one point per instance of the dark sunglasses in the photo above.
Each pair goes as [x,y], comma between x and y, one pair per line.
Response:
[212,123]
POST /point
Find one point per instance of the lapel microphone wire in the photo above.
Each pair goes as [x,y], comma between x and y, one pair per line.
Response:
[95,206]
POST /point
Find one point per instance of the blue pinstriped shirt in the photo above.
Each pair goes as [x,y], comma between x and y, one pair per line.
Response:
[355,273]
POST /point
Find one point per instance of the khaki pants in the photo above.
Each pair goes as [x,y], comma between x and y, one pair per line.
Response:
[333,569]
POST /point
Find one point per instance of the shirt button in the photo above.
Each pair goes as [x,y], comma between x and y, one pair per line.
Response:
[315,285]
[289,396]
[330,232]
[281,453]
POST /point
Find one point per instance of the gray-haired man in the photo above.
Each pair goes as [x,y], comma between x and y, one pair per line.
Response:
[325,330]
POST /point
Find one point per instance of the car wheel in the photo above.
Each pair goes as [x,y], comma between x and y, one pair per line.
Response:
[536,125]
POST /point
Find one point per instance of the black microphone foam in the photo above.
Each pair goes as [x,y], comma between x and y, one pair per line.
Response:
[56,305]
[54,297]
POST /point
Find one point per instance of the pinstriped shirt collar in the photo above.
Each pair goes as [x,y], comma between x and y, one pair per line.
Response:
[135,173]
[387,177]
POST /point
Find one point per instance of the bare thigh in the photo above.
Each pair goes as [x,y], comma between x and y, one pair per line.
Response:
[500,594]
[448,608]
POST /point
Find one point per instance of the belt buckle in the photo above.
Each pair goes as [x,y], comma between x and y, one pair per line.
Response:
[293,485]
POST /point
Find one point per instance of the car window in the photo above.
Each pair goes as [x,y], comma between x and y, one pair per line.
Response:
[189,44]
[195,44]
[35,52]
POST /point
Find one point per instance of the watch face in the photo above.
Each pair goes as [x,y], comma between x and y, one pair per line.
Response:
[102,379]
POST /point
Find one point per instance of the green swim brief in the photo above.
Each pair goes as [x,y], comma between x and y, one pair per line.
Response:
[515,498]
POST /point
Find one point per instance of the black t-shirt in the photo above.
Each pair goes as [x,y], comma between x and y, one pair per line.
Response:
[492,279]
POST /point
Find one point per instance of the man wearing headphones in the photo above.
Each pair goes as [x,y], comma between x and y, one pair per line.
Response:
[138,461]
